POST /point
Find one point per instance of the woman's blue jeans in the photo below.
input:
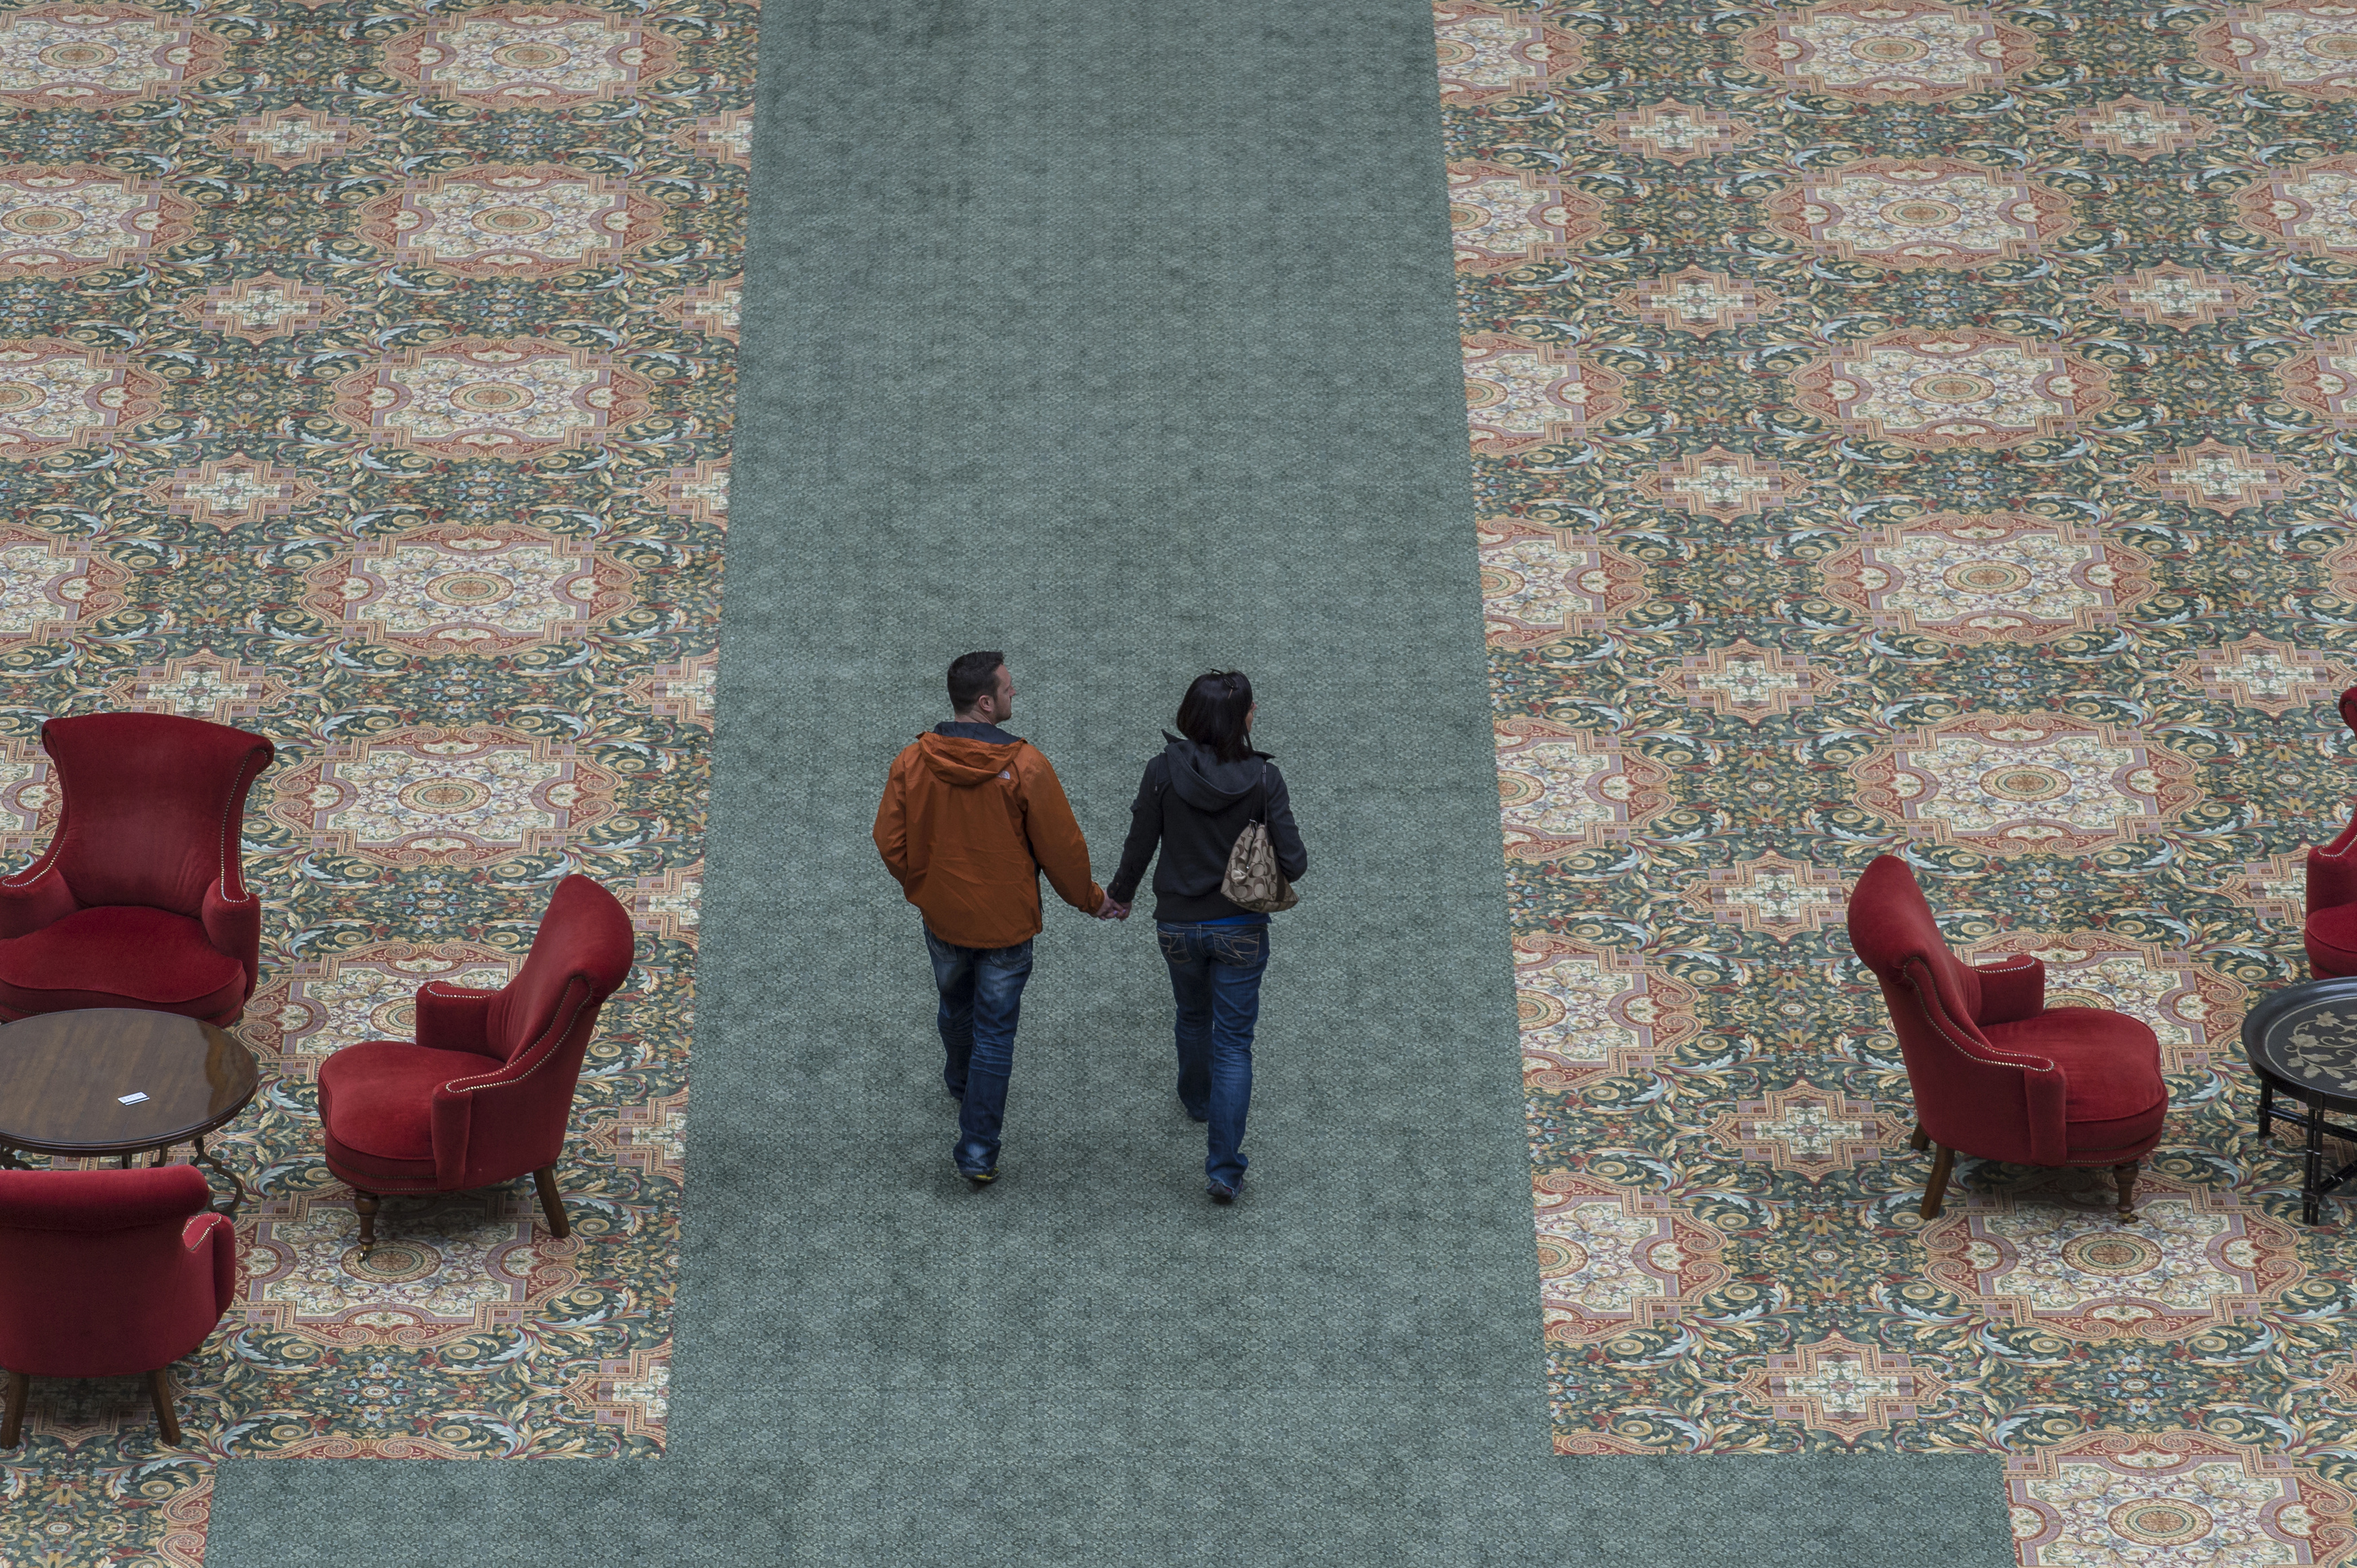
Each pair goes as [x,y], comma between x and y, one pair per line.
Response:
[982,997]
[1215,979]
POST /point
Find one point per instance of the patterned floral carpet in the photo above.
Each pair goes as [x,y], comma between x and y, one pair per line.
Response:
[1911,427]
[365,380]
[1897,425]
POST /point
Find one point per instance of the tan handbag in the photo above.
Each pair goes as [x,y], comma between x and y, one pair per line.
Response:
[1253,881]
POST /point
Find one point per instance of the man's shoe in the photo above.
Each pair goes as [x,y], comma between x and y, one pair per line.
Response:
[981,1178]
[1221,1194]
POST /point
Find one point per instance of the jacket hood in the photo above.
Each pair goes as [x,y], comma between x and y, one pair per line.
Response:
[1204,781]
[962,763]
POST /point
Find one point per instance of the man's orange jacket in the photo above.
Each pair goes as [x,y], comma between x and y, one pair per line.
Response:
[967,826]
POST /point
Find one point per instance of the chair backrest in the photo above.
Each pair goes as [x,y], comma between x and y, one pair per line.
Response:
[95,1278]
[579,957]
[153,807]
[1891,925]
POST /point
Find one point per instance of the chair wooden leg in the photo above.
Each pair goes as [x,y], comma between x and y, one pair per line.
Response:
[1935,1191]
[12,1425]
[551,1204]
[2124,1177]
[159,1389]
[1921,1140]
[364,1205]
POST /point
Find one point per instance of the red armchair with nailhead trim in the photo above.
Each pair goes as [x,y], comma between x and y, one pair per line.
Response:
[486,1092]
[2329,930]
[140,898]
[1996,1072]
[108,1274]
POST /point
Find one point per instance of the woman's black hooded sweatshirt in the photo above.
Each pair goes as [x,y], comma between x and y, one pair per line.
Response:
[1195,807]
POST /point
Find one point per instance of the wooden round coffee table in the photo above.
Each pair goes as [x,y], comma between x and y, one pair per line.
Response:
[121,1081]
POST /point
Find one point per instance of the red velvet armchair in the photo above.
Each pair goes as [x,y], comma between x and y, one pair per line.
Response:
[106,1273]
[1996,1073]
[139,900]
[2330,929]
[486,1092]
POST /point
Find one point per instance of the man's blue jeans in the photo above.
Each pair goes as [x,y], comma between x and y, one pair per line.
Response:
[1215,979]
[982,996]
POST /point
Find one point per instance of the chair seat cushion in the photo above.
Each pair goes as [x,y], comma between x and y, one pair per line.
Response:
[376,1099]
[116,955]
[374,1173]
[2114,1096]
[2331,940]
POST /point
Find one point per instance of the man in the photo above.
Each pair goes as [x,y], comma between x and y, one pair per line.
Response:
[971,815]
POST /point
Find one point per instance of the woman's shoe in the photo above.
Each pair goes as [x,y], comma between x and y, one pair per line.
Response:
[1220,1194]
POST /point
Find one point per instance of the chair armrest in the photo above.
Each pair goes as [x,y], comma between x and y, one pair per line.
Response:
[1969,1095]
[35,898]
[2332,873]
[454,1118]
[234,926]
[452,1018]
[2012,991]
[526,1103]
[2045,1093]
[215,1231]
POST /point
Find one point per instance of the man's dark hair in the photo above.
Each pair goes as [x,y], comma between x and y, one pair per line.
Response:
[971,675]
[1213,714]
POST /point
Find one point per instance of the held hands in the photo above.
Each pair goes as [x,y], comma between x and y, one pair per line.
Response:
[1109,911]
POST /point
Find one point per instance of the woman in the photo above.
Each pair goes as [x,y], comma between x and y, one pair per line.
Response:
[1194,802]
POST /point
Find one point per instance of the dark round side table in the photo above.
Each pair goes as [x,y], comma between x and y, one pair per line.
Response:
[122,1082]
[2302,1042]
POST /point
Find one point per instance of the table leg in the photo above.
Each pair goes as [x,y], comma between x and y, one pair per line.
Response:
[2267,1108]
[237,1186]
[2312,1175]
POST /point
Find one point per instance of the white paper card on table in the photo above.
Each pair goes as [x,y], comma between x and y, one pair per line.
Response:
[134,1098]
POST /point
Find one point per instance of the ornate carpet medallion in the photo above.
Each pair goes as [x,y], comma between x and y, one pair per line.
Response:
[483,589]
[2306,49]
[1988,578]
[1524,395]
[1921,212]
[66,220]
[1875,51]
[366,380]
[1913,427]
[2014,783]
[1540,582]
[1935,389]
[96,57]
[510,222]
[1492,51]
[1508,218]
[56,395]
[532,57]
